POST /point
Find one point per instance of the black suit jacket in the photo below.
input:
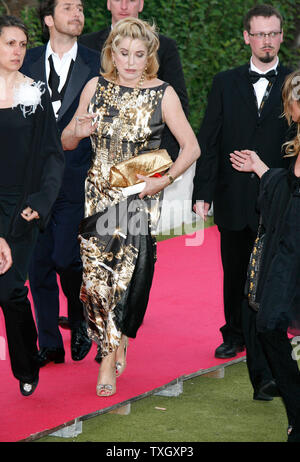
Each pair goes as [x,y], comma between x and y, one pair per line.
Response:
[170,70]
[231,122]
[86,66]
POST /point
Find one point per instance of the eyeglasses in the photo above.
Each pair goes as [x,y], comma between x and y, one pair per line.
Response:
[261,35]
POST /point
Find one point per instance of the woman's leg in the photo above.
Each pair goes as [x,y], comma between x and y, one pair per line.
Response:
[21,337]
[285,370]
[106,383]
[20,327]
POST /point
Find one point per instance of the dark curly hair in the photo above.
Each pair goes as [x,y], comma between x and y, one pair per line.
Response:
[12,21]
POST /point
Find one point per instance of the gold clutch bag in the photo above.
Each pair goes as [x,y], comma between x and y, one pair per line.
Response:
[150,163]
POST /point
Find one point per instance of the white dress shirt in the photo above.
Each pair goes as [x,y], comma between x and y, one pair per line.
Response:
[61,66]
[261,85]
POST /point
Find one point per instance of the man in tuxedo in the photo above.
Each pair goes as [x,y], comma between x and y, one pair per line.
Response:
[66,66]
[243,112]
[170,69]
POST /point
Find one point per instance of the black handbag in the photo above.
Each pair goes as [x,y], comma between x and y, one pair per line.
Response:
[254,268]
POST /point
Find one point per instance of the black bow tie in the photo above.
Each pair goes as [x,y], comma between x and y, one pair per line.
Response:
[255,76]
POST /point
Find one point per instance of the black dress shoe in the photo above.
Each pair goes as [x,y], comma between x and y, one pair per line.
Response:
[294,430]
[228,350]
[266,392]
[27,388]
[63,322]
[270,388]
[80,343]
[293,435]
[261,396]
[46,355]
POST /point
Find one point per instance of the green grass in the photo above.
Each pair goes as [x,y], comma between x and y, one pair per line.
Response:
[208,410]
[185,229]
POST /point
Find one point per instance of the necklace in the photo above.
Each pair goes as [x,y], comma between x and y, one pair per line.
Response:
[138,87]
[109,94]
[122,120]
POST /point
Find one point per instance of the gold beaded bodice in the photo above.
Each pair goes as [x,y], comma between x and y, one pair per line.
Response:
[129,121]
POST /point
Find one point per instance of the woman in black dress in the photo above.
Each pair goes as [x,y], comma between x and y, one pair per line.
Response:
[31,168]
[278,285]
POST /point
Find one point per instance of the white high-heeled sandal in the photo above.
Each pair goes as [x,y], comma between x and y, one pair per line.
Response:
[106,389]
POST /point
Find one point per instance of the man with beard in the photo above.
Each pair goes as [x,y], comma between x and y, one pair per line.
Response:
[243,112]
[66,67]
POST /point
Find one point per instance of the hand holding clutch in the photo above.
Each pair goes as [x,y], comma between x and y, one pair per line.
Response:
[148,164]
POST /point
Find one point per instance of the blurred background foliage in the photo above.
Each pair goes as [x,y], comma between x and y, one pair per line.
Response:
[209,36]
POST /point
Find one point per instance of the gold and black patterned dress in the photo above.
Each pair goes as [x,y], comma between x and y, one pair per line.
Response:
[118,250]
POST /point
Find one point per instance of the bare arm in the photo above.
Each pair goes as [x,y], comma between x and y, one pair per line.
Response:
[178,124]
[81,125]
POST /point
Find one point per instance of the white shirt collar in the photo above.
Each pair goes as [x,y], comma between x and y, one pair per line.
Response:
[255,69]
[72,53]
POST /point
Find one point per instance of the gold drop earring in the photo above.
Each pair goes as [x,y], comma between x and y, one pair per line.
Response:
[116,71]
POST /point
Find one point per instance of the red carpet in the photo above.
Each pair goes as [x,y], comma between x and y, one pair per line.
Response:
[178,337]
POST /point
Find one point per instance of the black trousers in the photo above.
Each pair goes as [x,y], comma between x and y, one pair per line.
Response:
[240,319]
[257,362]
[279,353]
[57,252]
[236,247]
[20,326]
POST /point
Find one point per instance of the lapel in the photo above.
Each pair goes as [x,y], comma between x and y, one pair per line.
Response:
[245,88]
[38,68]
[78,78]
[274,97]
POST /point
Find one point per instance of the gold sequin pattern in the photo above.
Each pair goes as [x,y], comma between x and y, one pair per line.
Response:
[126,120]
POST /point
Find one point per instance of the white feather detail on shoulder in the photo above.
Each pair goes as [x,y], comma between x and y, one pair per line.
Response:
[28,96]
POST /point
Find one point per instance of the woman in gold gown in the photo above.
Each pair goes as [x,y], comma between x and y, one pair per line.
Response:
[124,111]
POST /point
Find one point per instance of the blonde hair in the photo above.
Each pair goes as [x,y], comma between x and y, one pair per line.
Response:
[133,28]
[291,93]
